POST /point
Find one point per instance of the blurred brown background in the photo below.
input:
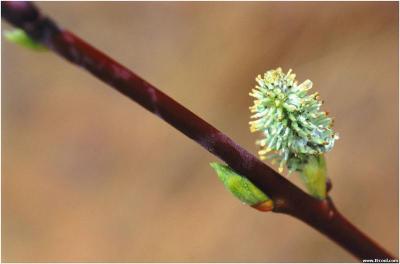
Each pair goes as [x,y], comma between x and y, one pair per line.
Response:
[89,175]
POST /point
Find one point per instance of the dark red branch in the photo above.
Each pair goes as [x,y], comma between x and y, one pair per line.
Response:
[288,198]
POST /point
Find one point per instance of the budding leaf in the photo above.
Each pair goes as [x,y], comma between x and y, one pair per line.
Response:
[314,176]
[18,36]
[239,186]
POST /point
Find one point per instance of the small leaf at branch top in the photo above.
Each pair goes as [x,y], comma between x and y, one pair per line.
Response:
[18,36]
[314,176]
[242,188]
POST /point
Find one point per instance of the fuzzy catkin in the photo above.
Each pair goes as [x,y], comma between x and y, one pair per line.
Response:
[290,120]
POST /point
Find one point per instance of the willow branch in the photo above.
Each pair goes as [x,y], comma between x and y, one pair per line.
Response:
[287,198]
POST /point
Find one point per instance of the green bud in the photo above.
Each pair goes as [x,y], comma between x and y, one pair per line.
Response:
[314,176]
[242,188]
[18,36]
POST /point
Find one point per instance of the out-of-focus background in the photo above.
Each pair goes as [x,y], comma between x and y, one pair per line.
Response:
[88,175]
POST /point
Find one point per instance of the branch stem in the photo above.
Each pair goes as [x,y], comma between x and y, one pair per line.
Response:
[289,199]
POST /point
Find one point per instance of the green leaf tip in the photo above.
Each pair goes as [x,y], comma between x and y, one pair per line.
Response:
[241,187]
[314,176]
[18,36]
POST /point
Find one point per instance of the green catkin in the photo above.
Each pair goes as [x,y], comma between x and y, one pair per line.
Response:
[296,133]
